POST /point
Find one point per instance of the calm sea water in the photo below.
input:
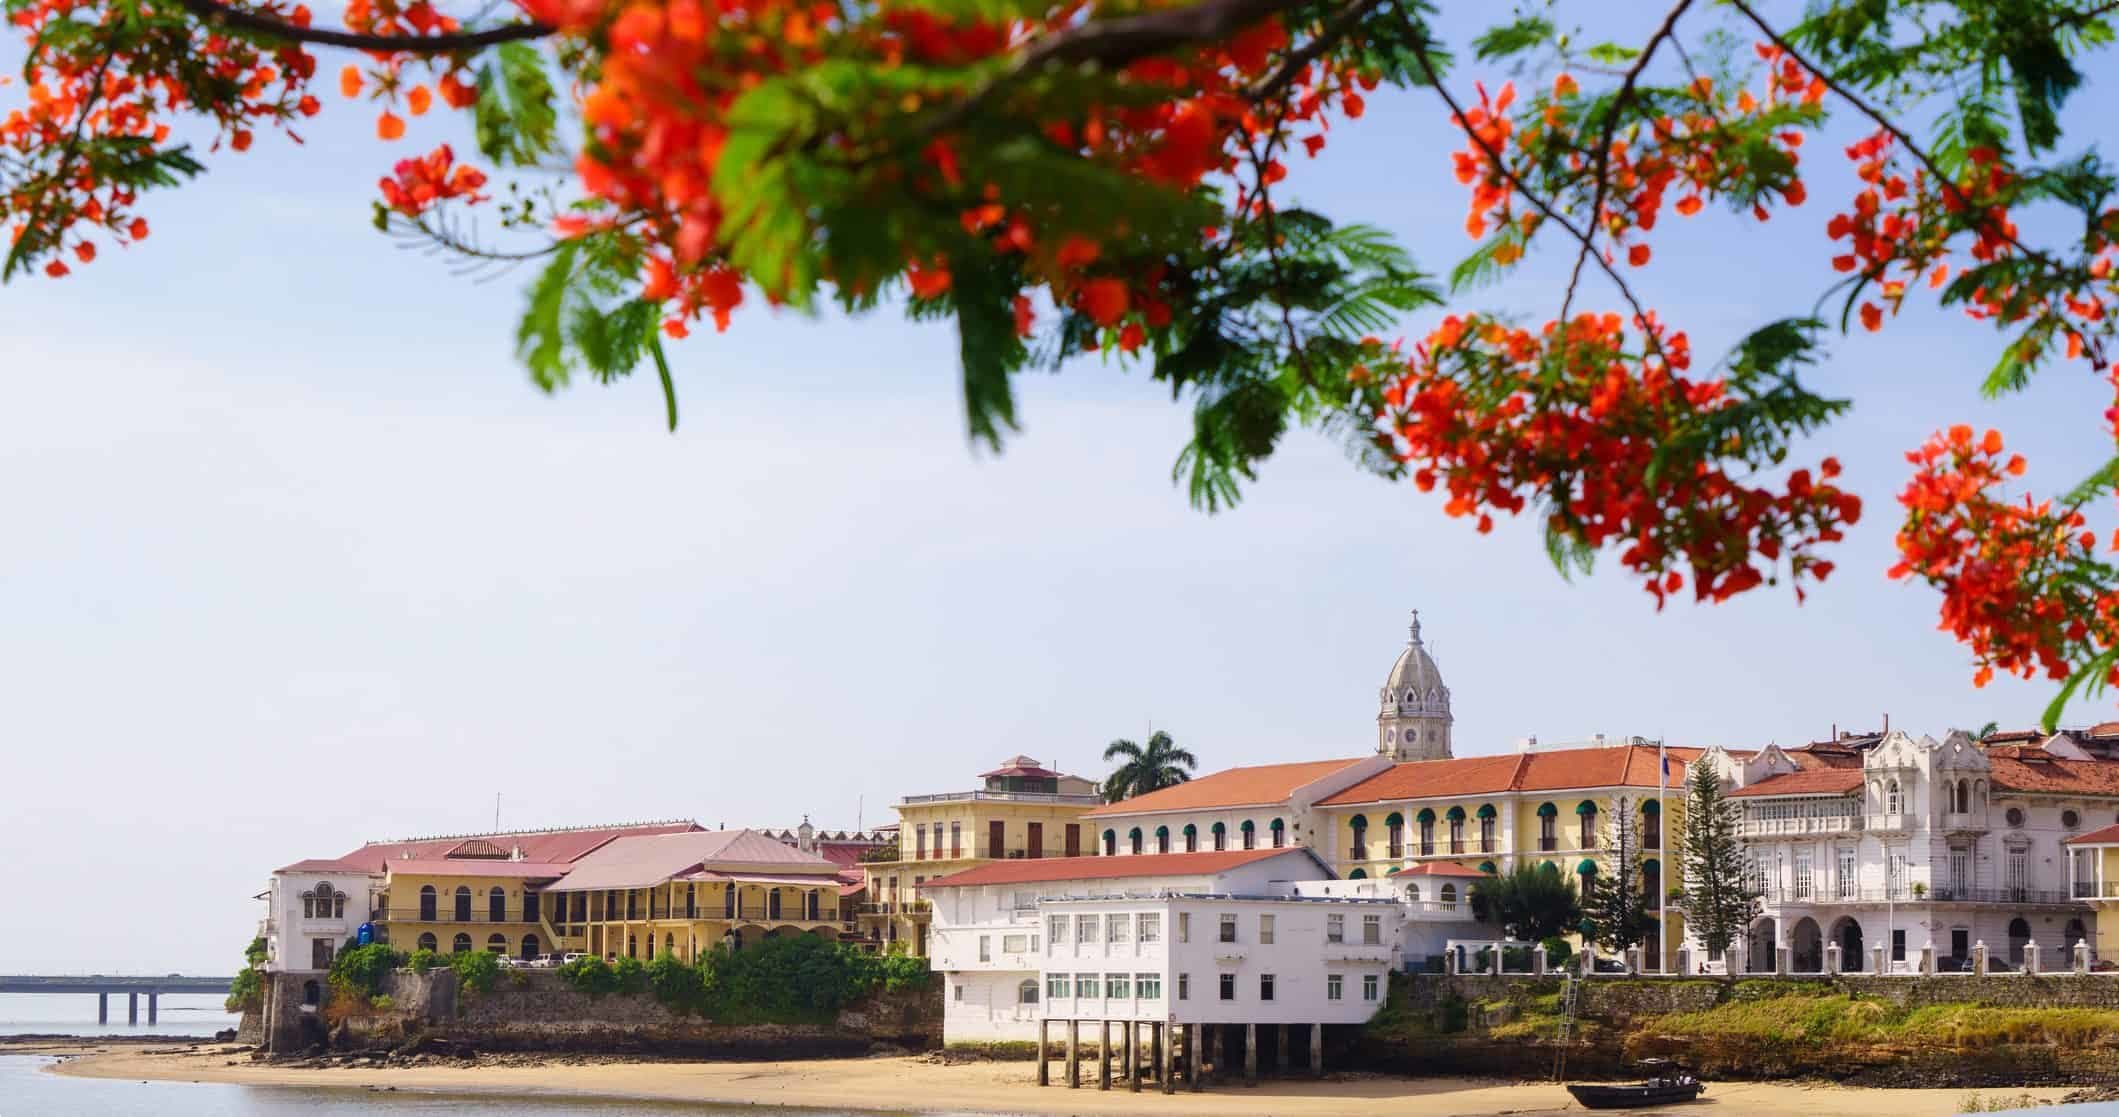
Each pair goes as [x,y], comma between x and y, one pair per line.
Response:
[74,1014]
[27,1090]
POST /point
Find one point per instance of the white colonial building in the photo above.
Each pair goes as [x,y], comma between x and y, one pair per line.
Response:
[1235,937]
[1922,848]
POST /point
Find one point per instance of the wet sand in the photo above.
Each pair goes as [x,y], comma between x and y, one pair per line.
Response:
[925,1083]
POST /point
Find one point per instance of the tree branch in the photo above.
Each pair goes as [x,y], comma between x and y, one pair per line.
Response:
[1603,151]
[243,19]
[1297,60]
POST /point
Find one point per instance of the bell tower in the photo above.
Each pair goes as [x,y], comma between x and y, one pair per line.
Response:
[1414,719]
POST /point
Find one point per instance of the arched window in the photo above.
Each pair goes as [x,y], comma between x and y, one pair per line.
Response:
[1586,825]
[1449,897]
[1250,834]
[1279,831]
[632,946]
[1191,838]
[1221,837]
[1412,892]
[1026,993]
[426,902]
[1162,839]
[1486,827]
[498,944]
[497,905]
[1394,835]
[1961,796]
[461,945]
[1651,824]
[1133,840]
[1548,827]
[1427,832]
[1891,802]
[1587,871]
[427,941]
[1110,843]
[691,902]
[1651,881]
[463,903]
[529,948]
[1456,829]
[1360,825]
[669,944]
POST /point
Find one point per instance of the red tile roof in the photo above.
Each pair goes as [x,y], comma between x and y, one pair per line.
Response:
[537,845]
[1810,781]
[1041,869]
[640,861]
[1439,869]
[1558,770]
[2107,836]
[1019,766]
[479,867]
[1253,786]
[2055,777]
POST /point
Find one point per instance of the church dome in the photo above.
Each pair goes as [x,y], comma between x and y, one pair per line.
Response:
[1415,683]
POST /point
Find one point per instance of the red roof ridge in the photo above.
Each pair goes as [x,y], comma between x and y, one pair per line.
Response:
[1045,869]
[538,830]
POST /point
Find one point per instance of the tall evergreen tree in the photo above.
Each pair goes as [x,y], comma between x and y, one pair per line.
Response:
[1718,903]
[1618,913]
[1161,764]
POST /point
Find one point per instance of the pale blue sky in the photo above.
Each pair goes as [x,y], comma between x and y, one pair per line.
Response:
[296,557]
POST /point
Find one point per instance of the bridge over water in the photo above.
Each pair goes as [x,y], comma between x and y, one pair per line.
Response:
[103,985]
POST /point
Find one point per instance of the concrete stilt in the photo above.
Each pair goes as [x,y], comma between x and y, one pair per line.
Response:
[152,1000]
[1317,1050]
[102,1008]
[1133,1068]
[1250,1054]
[1280,1051]
[1044,1068]
[132,1008]
[1074,1054]
[1103,1054]
[1195,1072]
[1220,1037]
[1165,1048]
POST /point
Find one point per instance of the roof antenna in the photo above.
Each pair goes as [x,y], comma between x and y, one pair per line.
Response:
[496,812]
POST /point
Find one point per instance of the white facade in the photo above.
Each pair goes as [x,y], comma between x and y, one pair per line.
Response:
[1261,942]
[1923,849]
[299,915]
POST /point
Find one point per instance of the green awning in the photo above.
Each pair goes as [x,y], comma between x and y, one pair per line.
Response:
[1358,874]
[1547,810]
[1134,834]
[1587,867]
[1247,826]
[1486,810]
[1487,867]
[1162,831]
[1219,828]
[1651,807]
[1427,814]
[1585,807]
[1456,814]
[1276,824]
[1648,863]
[1191,830]
[1395,819]
[1359,822]
[1395,870]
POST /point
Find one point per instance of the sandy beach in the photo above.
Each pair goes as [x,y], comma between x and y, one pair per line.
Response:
[927,1084]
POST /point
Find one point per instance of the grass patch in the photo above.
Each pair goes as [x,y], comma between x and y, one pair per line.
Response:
[1810,1019]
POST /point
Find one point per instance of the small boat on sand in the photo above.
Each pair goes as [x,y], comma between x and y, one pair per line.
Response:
[1667,1084]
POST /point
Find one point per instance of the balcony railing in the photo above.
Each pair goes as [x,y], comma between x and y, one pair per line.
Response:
[445,915]
[1001,797]
[1964,820]
[1818,824]
[1548,845]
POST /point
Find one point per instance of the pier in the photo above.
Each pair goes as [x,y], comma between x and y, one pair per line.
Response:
[103,986]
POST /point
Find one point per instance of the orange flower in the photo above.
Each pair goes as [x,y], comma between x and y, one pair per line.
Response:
[419,100]
[1104,300]
[349,81]
[389,127]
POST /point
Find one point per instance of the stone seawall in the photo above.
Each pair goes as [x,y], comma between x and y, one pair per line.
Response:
[537,1011]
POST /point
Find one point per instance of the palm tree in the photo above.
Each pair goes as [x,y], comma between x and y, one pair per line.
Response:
[1162,764]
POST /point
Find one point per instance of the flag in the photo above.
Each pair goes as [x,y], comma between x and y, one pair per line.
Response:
[1664,753]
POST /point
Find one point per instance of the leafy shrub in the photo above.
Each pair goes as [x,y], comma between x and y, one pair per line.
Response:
[363,969]
[680,988]
[1558,952]
[424,960]
[382,1002]
[255,953]
[476,970]
[589,975]
[630,975]
[246,993]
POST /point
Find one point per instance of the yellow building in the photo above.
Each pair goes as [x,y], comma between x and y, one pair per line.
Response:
[686,894]
[1491,812]
[1023,810]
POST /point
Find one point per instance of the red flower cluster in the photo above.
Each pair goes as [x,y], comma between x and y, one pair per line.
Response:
[1687,150]
[429,180]
[1610,441]
[77,88]
[2019,583]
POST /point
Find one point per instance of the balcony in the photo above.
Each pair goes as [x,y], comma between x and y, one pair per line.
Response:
[1548,845]
[1890,823]
[444,915]
[1003,797]
[1798,827]
[1964,822]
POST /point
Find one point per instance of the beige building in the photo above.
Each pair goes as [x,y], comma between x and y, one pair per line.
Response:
[1022,811]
